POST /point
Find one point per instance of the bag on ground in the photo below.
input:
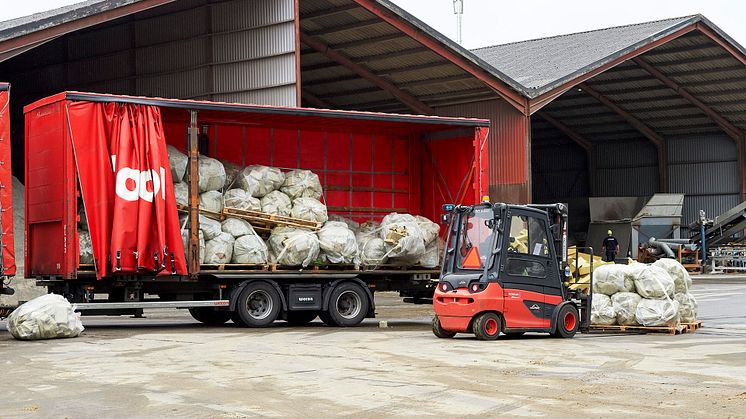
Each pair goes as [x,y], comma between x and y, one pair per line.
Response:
[47,317]
[681,279]
[211,174]
[219,250]
[309,209]
[625,307]
[276,203]
[652,312]
[301,184]
[337,243]
[602,311]
[259,180]
[240,199]
[294,246]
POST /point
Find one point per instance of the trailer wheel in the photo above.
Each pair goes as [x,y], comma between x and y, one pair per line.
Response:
[210,316]
[567,322]
[487,326]
[439,331]
[258,305]
[300,318]
[348,305]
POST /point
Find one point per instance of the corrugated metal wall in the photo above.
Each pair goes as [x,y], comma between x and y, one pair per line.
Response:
[509,147]
[628,168]
[239,51]
[705,169]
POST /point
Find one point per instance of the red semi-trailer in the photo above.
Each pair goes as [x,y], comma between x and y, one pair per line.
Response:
[85,147]
[7,259]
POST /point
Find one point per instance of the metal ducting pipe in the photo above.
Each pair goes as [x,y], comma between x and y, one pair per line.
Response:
[663,247]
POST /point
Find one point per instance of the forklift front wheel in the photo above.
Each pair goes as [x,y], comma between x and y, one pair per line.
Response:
[487,326]
[567,322]
[439,331]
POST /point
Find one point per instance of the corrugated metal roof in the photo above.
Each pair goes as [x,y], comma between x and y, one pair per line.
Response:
[540,63]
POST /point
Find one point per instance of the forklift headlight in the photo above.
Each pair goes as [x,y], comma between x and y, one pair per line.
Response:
[444,286]
[477,287]
[474,287]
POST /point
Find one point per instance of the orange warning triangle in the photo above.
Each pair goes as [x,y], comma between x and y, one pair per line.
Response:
[472,259]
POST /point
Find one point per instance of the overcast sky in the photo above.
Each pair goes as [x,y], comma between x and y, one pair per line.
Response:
[489,22]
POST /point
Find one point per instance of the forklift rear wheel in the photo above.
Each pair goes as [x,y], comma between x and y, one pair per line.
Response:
[439,331]
[210,316]
[487,326]
[567,322]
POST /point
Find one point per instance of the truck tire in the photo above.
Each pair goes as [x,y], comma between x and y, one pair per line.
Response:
[210,316]
[300,318]
[567,322]
[487,326]
[258,305]
[439,331]
[348,305]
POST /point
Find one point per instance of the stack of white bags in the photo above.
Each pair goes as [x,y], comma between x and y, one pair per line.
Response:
[641,294]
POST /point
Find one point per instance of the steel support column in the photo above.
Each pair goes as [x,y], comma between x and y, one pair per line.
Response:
[658,141]
[365,73]
[582,142]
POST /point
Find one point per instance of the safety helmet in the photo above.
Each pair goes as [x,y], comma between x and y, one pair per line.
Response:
[609,232]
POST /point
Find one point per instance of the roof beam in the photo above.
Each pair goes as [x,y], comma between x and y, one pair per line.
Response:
[329,11]
[657,140]
[368,41]
[723,123]
[406,98]
[347,27]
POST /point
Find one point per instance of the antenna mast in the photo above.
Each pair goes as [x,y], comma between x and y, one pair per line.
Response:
[458,10]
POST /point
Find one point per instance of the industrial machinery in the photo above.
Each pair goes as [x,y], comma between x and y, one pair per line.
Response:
[505,270]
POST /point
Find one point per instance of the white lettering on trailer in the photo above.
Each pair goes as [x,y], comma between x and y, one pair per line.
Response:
[132,184]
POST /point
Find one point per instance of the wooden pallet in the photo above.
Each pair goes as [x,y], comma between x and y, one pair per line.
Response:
[261,220]
[670,330]
[209,214]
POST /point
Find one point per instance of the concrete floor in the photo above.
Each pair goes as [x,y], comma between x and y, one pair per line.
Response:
[168,365]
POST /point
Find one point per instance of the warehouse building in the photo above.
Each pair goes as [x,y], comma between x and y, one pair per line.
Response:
[626,111]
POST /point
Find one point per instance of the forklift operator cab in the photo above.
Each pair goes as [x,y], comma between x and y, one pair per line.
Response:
[504,271]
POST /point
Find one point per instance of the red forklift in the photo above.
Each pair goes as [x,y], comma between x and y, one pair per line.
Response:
[505,271]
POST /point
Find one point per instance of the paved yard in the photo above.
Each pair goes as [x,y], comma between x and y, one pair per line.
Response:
[169,365]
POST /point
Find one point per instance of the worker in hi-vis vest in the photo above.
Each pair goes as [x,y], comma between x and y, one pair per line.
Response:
[610,247]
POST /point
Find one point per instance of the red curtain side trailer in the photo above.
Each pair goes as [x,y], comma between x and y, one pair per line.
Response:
[369,165]
[7,260]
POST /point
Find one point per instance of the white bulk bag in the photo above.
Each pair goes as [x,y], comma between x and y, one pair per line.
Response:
[259,180]
[654,282]
[47,317]
[276,203]
[602,311]
[236,227]
[240,199]
[610,279]
[337,242]
[211,174]
[85,246]
[309,209]
[211,201]
[652,312]
[430,230]
[250,249]
[403,238]
[181,191]
[625,307]
[301,183]
[681,279]
[231,173]
[219,250]
[687,307]
[178,162]
[294,246]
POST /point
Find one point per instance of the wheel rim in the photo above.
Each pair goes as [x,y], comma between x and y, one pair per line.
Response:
[349,304]
[259,304]
[570,322]
[490,326]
